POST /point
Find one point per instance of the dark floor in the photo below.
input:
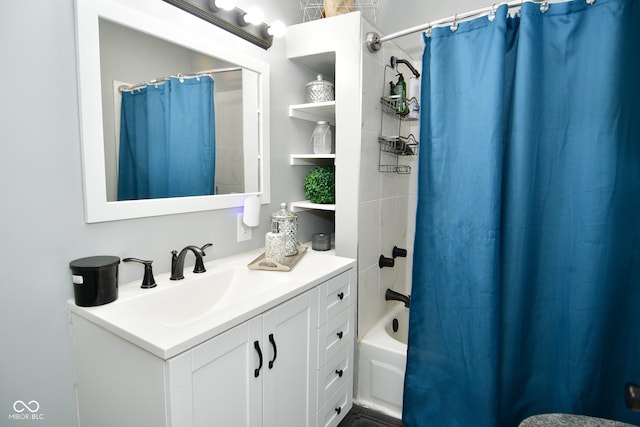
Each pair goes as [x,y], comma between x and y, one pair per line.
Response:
[360,416]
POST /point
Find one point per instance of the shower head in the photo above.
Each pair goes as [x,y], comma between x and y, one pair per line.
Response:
[395,61]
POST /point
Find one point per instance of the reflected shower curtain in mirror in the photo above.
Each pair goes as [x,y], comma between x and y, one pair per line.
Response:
[526,281]
[167,140]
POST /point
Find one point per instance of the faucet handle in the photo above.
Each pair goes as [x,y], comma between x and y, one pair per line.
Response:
[385,262]
[399,252]
[148,281]
[199,267]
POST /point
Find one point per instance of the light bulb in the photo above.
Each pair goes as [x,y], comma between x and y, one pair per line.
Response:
[226,4]
[277,29]
[254,16]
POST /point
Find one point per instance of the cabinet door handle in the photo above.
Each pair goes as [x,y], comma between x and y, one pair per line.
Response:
[341,295]
[275,350]
[340,334]
[256,345]
[339,372]
[338,410]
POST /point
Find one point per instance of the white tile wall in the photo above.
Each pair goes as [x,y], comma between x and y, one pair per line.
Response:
[386,200]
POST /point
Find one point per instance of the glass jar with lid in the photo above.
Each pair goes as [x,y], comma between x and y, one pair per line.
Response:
[319,90]
[286,222]
[321,138]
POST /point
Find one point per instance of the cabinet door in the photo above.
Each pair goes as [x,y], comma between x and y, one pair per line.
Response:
[290,382]
[215,384]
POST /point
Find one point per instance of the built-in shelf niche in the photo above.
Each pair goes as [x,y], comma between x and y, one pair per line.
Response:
[313,112]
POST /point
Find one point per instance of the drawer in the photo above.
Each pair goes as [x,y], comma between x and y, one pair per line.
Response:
[336,408]
[335,296]
[335,335]
[336,373]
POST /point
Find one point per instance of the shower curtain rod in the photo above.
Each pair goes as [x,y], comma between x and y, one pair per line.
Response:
[160,80]
[374,41]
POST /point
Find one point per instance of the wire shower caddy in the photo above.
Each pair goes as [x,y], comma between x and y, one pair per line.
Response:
[394,147]
[314,9]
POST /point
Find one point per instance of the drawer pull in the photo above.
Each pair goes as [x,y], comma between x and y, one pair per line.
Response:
[338,410]
[341,295]
[275,350]
[256,345]
[340,334]
[339,372]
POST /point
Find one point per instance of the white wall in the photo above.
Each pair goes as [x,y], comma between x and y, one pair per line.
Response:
[42,224]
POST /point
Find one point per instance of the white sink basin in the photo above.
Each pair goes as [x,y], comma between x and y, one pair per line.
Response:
[178,315]
[181,302]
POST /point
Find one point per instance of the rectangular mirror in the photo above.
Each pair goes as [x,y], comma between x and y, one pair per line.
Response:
[122,44]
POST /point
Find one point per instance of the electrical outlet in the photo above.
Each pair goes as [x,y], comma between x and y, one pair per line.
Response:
[244,232]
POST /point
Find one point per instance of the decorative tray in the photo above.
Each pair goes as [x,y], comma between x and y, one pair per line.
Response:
[263,263]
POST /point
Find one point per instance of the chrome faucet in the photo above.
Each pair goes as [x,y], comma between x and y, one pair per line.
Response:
[177,261]
[397,296]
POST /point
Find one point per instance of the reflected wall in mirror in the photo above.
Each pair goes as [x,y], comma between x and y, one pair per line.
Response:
[119,43]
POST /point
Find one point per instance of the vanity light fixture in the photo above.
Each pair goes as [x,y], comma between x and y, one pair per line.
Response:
[224,14]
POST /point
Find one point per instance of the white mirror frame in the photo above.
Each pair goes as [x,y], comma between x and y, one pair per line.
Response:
[167,22]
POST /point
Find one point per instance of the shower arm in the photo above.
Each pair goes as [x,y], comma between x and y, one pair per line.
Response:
[395,61]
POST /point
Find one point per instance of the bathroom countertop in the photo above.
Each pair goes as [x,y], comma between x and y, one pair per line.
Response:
[166,339]
[568,420]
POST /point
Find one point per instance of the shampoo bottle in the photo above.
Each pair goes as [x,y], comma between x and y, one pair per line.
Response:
[401,89]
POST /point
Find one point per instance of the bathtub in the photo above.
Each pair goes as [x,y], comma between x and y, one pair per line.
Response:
[382,358]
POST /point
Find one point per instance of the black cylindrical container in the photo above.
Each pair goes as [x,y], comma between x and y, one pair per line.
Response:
[95,280]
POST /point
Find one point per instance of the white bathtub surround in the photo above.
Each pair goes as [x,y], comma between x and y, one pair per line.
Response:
[386,218]
[382,360]
[386,214]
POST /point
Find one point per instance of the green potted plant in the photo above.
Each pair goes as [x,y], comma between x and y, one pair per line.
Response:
[319,185]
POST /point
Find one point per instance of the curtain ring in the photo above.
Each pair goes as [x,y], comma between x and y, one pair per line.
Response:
[492,13]
[454,26]
[544,6]
[428,31]
[590,2]
[181,77]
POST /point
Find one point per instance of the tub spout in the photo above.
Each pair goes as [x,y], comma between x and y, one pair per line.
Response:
[391,295]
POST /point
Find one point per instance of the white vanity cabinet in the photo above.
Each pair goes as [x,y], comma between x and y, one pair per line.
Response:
[260,373]
[287,361]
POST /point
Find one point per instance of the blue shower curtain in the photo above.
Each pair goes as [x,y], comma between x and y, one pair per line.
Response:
[167,140]
[526,281]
